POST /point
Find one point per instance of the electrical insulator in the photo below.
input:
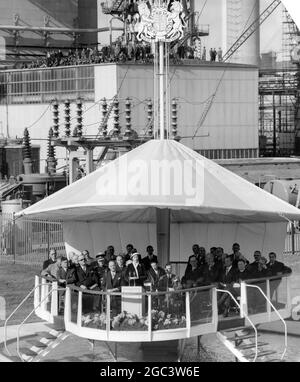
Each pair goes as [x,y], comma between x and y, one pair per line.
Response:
[104,119]
[26,145]
[50,147]
[116,118]
[128,130]
[55,119]
[150,117]
[67,118]
[79,117]
[174,118]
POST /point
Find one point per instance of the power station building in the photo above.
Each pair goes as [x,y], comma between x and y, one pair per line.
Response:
[230,129]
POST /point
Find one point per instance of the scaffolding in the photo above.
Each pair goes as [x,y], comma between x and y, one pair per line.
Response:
[278,90]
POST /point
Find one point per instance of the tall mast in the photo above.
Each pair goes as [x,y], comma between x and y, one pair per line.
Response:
[161,22]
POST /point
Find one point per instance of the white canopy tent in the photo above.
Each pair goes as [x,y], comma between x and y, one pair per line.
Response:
[207,204]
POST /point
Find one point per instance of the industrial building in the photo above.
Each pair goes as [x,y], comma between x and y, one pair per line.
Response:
[244,107]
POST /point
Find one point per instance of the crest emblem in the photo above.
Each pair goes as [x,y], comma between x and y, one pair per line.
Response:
[161,22]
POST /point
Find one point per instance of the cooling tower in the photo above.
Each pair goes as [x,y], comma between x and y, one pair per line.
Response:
[238,15]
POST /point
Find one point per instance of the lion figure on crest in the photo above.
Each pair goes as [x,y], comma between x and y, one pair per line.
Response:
[146,19]
[177,16]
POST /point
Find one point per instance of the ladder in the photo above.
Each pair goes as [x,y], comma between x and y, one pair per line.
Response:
[105,120]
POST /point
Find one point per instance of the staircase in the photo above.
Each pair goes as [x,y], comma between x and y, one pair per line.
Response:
[114,8]
[38,348]
[34,348]
[240,341]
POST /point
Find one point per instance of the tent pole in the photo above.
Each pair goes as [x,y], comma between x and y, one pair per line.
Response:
[163,235]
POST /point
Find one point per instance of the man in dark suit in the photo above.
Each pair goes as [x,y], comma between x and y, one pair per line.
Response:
[51,260]
[199,253]
[110,254]
[112,280]
[261,270]
[211,271]
[62,277]
[135,273]
[112,283]
[85,275]
[171,279]
[155,275]
[129,249]
[146,261]
[228,278]
[120,265]
[87,279]
[89,260]
[100,269]
[276,267]
[236,255]
[253,267]
[242,271]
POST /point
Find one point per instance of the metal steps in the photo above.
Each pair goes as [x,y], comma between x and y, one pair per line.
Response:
[252,345]
[261,354]
[46,341]
[240,342]
[244,337]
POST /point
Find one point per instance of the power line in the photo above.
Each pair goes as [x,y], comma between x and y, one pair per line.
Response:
[40,117]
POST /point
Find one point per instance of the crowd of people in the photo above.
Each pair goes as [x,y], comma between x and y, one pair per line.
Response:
[109,272]
[119,51]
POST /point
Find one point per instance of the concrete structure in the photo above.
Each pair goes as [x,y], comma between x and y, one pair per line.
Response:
[42,13]
[238,16]
[230,129]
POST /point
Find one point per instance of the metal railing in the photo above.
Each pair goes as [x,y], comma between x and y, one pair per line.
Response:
[277,313]
[28,241]
[247,318]
[191,310]
[29,315]
[37,302]
[13,312]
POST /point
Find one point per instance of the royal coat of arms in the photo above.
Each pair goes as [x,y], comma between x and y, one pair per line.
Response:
[162,21]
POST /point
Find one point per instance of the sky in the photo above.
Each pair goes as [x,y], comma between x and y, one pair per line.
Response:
[271,30]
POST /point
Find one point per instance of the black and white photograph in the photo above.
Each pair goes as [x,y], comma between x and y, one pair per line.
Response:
[149,184]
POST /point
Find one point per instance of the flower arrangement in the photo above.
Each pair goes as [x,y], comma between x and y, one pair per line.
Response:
[129,322]
[163,321]
[94,320]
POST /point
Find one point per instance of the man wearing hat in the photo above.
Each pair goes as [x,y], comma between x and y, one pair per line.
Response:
[135,274]
[101,268]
